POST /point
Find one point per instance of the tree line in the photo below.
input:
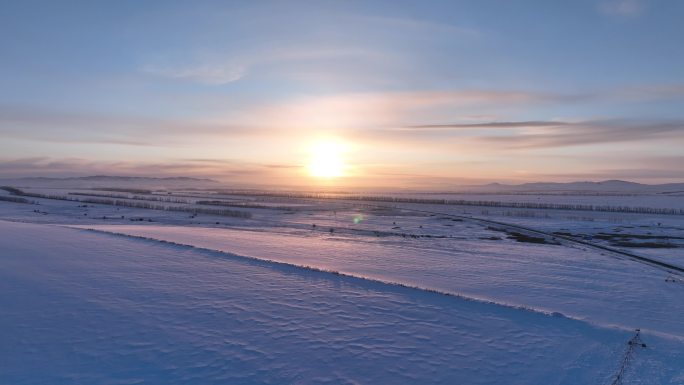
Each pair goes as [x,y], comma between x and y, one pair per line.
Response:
[244,205]
[480,203]
[135,197]
[139,205]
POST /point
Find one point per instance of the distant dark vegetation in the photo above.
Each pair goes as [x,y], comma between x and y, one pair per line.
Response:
[14,199]
[12,190]
[627,240]
[126,190]
[135,197]
[653,245]
[520,237]
[245,205]
[142,205]
[609,237]
[460,202]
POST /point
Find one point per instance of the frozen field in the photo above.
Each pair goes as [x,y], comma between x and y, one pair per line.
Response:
[629,200]
[91,308]
[310,291]
[546,278]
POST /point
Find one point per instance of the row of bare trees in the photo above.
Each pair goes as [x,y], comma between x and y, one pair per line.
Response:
[480,203]
[138,204]
[150,198]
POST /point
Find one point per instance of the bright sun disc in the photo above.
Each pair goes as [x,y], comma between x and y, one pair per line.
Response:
[326,160]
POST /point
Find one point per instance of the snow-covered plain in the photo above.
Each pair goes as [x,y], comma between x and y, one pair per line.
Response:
[85,299]
[665,201]
[548,278]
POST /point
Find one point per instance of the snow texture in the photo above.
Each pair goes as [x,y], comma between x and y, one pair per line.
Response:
[86,308]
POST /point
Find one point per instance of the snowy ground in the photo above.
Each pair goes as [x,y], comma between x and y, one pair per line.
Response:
[631,200]
[547,278]
[227,300]
[89,308]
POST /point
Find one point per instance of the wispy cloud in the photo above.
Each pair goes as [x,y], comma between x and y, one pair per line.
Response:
[393,109]
[229,170]
[624,8]
[646,92]
[38,124]
[500,137]
[402,110]
[413,25]
[211,74]
[434,118]
[281,45]
[647,175]
[566,134]
[225,68]
[238,162]
[448,126]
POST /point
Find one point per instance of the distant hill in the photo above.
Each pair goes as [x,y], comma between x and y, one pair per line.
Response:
[97,181]
[608,186]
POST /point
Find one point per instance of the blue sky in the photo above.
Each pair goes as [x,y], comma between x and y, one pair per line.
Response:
[416,93]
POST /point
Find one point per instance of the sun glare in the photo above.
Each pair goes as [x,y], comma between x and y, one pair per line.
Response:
[326,159]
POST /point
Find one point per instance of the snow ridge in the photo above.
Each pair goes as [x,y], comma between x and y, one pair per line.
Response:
[352,276]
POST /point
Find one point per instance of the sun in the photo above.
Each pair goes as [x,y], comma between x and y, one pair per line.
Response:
[326,159]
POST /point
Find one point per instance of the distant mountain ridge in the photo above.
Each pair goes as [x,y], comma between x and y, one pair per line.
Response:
[117,178]
[110,181]
[618,186]
[579,187]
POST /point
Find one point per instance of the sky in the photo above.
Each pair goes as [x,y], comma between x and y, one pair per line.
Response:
[410,94]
